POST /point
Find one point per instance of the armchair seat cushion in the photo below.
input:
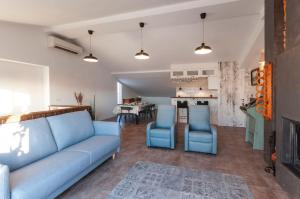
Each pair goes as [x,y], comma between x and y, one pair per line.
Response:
[97,147]
[160,133]
[40,179]
[200,136]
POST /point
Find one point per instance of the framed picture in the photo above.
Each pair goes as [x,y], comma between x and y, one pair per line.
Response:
[254,76]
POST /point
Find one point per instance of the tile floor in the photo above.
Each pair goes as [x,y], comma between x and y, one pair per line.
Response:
[234,157]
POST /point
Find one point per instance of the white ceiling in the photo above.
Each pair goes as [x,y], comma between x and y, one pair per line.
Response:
[173,30]
[174,44]
[55,12]
[149,84]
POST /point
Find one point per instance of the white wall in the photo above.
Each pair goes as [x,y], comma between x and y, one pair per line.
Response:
[250,91]
[68,73]
[128,92]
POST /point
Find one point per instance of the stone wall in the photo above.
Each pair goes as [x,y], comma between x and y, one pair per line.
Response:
[286,84]
[231,95]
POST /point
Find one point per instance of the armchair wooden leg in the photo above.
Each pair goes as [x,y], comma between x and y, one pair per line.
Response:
[114,156]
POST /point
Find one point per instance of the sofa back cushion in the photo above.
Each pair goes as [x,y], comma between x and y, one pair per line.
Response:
[199,118]
[22,143]
[71,128]
[165,116]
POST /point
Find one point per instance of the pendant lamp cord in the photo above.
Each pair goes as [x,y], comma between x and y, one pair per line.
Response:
[90,43]
[141,38]
[203,30]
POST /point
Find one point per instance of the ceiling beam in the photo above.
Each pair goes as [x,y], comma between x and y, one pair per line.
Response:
[140,14]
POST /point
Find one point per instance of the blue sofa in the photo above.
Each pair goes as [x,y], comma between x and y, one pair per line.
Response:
[200,135]
[43,157]
[162,132]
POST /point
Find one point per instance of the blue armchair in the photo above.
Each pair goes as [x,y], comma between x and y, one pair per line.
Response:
[199,135]
[162,132]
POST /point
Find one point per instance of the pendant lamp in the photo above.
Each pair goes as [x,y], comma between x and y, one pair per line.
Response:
[90,57]
[203,49]
[142,55]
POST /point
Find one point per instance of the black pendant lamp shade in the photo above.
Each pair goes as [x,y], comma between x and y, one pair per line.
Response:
[142,55]
[90,57]
[203,49]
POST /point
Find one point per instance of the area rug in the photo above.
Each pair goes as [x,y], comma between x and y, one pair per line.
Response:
[146,180]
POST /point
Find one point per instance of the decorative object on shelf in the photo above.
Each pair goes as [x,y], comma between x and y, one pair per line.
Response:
[203,49]
[254,76]
[261,60]
[260,91]
[186,79]
[264,91]
[79,98]
[268,91]
[284,28]
[90,57]
[142,54]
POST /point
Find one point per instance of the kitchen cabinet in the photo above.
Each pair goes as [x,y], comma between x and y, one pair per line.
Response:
[213,82]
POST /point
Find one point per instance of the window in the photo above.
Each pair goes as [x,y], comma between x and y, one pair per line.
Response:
[23,87]
[119,93]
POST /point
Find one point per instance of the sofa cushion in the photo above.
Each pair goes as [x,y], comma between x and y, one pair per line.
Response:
[160,133]
[71,128]
[22,143]
[97,146]
[200,136]
[40,179]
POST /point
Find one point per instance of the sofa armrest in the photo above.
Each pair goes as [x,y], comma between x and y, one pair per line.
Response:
[173,136]
[186,137]
[150,126]
[107,128]
[215,139]
[4,182]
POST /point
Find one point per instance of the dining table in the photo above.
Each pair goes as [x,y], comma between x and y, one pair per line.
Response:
[135,109]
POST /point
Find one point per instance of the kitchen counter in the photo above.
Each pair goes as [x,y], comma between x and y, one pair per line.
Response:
[195,97]
[212,103]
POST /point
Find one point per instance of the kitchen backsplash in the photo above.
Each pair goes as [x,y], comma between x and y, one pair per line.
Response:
[195,92]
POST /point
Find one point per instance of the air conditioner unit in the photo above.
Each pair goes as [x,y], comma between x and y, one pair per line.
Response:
[54,42]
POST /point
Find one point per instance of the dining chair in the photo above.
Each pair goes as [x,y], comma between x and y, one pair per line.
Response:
[161,133]
[199,134]
[125,111]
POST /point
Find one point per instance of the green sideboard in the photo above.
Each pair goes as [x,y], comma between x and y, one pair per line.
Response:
[254,128]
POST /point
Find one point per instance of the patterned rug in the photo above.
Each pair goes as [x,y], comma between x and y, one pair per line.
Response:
[146,180]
